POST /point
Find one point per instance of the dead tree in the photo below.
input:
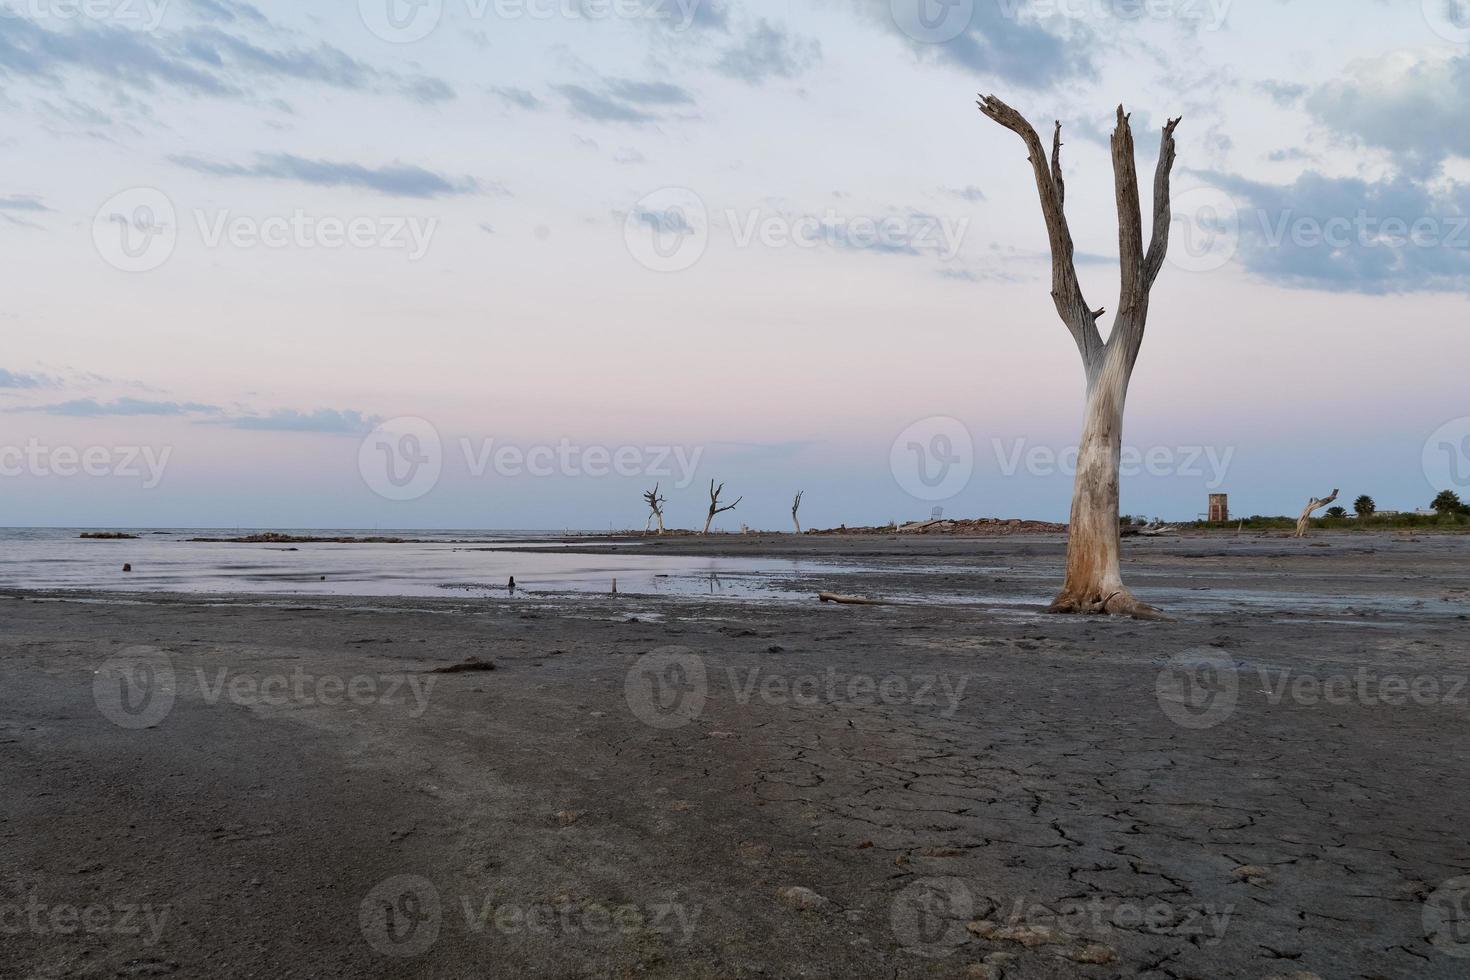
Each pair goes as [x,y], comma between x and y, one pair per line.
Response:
[1094,582]
[1305,521]
[656,505]
[796,506]
[714,504]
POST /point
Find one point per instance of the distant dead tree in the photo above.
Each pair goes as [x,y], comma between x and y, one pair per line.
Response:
[1304,522]
[714,504]
[1094,582]
[796,506]
[656,505]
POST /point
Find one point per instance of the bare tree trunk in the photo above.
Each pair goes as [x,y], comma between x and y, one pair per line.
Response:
[714,504]
[656,506]
[1094,582]
[796,506]
[1093,574]
[1304,523]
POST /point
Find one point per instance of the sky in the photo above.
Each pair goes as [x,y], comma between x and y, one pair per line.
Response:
[509,263]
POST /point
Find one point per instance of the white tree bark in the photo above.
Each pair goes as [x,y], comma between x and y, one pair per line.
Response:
[1094,582]
[796,506]
[656,506]
[1304,523]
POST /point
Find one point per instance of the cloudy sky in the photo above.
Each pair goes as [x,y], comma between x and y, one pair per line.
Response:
[506,263]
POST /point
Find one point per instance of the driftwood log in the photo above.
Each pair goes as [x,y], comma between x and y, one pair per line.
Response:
[847,600]
[1304,523]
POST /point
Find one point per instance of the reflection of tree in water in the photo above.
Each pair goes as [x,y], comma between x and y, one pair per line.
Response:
[715,585]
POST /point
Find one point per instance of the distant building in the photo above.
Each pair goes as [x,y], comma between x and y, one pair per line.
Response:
[1219,507]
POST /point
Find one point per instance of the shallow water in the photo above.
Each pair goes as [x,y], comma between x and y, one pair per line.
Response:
[446,565]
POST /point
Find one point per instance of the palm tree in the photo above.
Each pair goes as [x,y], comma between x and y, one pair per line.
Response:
[1336,512]
[1448,502]
[1364,506]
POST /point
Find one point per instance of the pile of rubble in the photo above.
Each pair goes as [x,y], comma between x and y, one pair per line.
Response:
[978,527]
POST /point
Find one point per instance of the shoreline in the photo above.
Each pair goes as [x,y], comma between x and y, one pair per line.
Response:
[754,788]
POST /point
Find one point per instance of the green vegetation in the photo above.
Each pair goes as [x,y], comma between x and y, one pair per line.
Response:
[1450,514]
[1376,522]
[1448,503]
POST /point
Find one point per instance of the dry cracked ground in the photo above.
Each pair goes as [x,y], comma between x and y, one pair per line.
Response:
[1272,785]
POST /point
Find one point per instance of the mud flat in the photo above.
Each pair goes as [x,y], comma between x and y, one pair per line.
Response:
[1272,785]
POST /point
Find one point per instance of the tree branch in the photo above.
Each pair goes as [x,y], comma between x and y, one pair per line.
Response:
[1056,166]
[1130,221]
[1139,271]
[1066,292]
[1163,217]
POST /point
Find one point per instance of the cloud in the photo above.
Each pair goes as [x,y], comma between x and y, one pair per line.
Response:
[1283,93]
[398,180]
[427,90]
[589,105]
[129,57]
[969,193]
[22,202]
[127,407]
[769,52]
[207,61]
[624,100]
[518,97]
[909,233]
[229,11]
[327,420]
[955,274]
[1292,153]
[1337,233]
[1413,105]
[18,379]
[648,93]
[996,41]
[701,15]
[668,222]
[323,63]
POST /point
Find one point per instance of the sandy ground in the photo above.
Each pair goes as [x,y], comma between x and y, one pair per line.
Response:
[1273,785]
